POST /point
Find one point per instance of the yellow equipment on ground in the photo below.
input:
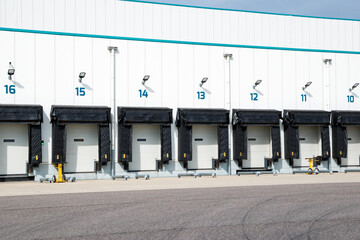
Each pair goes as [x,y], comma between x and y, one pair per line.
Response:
[311,165]
[60,178]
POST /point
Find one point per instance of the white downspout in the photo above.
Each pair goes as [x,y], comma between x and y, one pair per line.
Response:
[228,57]
[114,125]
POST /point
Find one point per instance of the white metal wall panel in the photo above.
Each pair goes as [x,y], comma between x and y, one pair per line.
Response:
[83,62]
[166,22]
[90,16]
[48,15]
[310,147]
[59,12]
[186,75]
[353,157]
[7,55]
[13,155]
[38,14]
[201,25]
[157,22]
[289,84]
[64,70]
[70,16]
[153,65]
[81,155]
[217,79]
[123,82]
[101,70]
[184,22]
[120,19]
[24,81]
[145,153]
[342,82]
[2,13]
[80,16]
[201,70]
[206,149]
[261,72]
[138,23]
[246,77]
[218,23]
[136,73]
[258,146]
[175,23]
[135,19]
[275,80]
[110,18]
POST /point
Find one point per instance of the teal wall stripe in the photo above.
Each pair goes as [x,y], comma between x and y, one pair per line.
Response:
[237,10]
[174,41]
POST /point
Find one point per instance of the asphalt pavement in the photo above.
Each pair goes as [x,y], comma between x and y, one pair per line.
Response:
[311,211]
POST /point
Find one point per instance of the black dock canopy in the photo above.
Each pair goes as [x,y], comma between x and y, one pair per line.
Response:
[127,116]
[244,117]
[62,115]
[292,119]
[30,114]
[186,117]
[79,114]
[339,122]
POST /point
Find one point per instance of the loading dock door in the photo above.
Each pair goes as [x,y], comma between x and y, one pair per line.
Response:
[310,144]
[146,147]
[81,148]
[14,148]
[259,146]
[353,146]
[205,146]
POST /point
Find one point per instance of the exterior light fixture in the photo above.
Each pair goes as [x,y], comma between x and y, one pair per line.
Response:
[327,60]
[146,77]
[353,87]
[307,85]
[203,81]
[227,55]
[257,83]
[11,70]
[81,76]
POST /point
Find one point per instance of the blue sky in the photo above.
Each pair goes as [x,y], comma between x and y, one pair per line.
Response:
[321,8]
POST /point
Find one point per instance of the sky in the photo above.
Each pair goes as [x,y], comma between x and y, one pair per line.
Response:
[320,8]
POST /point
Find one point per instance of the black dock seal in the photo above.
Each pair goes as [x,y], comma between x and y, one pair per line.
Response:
[63,115]
[186,117]
[32,115]
[339,122]
[292,119]
[127,116]
[244,117]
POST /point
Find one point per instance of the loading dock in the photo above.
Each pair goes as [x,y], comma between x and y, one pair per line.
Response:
[346,137]
[144,138]
[20,139]
[80,138]
[306,136]
[202,137]
[256,135]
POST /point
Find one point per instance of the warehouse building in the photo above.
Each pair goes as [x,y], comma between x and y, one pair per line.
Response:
[127,88]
